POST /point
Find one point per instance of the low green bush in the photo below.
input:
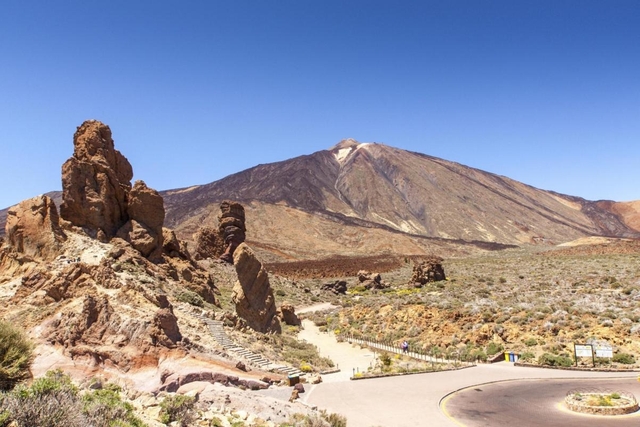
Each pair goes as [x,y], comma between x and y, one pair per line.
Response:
[549,359]
[624,358]
[16,354]
[527,356]
[190,298]
[177,408]
[494,348]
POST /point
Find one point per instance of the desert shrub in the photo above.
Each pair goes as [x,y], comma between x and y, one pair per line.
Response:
[385,358]
[16,353]
[527,356]
[624,358]
[177,408]
[530,342]
[51,401]
[322,419]
[479,354]
[296,352]
[105,408]
[280,293]
[190,298]
[494,348]
[553,360]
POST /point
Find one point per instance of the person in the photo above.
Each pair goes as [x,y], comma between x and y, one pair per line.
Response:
[405,346]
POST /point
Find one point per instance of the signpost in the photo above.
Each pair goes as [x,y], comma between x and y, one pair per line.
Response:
[583,350]
[604,350]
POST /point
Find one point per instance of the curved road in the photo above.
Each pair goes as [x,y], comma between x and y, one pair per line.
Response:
[536,403]
[509,395]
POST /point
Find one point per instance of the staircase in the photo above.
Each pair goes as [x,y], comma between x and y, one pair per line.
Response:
[256,360]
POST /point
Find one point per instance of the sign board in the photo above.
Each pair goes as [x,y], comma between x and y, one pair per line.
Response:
[583,350]
[604,350]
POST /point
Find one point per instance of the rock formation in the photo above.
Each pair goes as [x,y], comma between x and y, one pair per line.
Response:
[371,280]
[427,270]
[33,228]
[208,243]
[287,314]
[143,230]
[339,287]
[223,242]
[252,294]
[95,182]
[97,193]
[231,228]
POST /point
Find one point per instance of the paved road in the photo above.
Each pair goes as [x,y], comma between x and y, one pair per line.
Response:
[533,403]
[414,400]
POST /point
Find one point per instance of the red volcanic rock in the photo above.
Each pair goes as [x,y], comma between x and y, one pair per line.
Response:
[209,244]
[165,329]
[95,182]
[221,243]
[231,228]
[428,270]
[145,209]
[252,294]
[287,314]
[33,228]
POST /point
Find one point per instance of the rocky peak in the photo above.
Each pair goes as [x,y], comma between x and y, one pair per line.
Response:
[95,182]
[97,193]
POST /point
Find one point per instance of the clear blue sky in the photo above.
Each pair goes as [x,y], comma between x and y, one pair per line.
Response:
[545,92]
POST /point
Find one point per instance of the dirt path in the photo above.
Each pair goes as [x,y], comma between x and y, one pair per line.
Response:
[347,357]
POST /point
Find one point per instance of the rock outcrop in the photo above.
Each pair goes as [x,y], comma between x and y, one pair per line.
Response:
[231,227]
[287,314]
[96,181]
[339,287]
[231,232]
[97,193]
[371,280]
[252,294]
[209,244]
[427,270]
[143,230]
[33,228]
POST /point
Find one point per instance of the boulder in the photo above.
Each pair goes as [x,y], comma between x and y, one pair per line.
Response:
[95,182]
[287,314]
[427,270]
[371,280]
[208,242]
[145,209]
[339,287]
[252,294]
[33,228]
[165,329]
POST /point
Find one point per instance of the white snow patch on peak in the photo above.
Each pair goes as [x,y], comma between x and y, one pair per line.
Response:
[342,153]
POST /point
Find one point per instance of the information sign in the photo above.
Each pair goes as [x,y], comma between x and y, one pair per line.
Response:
[604,350]
[583,350]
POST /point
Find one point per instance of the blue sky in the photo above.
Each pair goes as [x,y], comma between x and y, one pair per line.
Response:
[545,92]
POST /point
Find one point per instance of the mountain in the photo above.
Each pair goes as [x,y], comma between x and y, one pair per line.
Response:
[368,198]
[358,199]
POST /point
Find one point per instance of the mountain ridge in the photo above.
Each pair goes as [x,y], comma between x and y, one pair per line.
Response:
[363,192]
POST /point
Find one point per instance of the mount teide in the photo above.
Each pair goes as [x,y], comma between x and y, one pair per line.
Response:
[366,199]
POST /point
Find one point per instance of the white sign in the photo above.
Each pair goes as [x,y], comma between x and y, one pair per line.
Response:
[603,350]
[583,350]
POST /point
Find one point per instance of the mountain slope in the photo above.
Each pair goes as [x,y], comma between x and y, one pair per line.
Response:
[356,187]
[361,199]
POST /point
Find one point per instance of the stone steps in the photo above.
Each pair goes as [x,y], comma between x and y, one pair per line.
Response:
[216,328]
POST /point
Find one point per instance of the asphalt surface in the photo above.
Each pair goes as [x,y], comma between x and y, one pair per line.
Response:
[534,403]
